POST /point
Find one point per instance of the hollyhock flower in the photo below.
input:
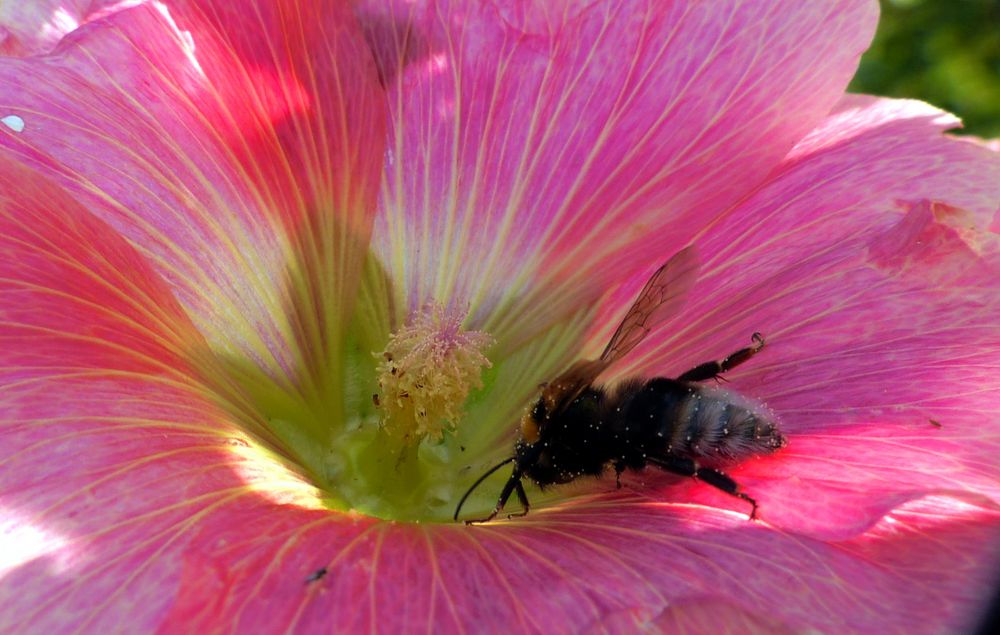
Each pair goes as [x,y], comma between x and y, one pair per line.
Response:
[279,277]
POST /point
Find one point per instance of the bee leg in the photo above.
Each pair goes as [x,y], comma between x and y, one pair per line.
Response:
[522,497]
[723,481]
[712,370]
[513,482]
[477,521]
[719,480]
[619,468]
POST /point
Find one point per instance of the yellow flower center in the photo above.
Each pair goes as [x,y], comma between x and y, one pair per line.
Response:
[426,372]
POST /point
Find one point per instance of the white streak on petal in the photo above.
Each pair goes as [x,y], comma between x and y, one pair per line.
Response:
[13,122]
[61,23]
[22,541]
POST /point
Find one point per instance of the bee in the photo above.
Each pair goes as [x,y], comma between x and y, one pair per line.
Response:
[679,425]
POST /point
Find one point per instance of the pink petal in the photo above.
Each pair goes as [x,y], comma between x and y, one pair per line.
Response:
[70,282]
[102,417]
[30,28]
[534,143]
[224,149]
[608,564]
[866,263]
[128,491]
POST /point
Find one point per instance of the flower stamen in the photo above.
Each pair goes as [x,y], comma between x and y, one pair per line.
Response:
[426,372]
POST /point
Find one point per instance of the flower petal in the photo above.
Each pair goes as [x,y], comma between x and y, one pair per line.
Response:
[606,565]
[533,144]
[237,148]
[30,28]
[867,264]
[111,447]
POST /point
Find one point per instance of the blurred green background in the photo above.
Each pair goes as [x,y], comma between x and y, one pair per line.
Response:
[946,52]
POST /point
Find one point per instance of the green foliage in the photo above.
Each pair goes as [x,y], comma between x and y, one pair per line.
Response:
[946,52]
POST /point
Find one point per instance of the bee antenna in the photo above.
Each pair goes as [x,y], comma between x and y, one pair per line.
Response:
[480,480]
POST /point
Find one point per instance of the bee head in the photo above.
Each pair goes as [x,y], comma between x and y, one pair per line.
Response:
[532,422]
[533,454]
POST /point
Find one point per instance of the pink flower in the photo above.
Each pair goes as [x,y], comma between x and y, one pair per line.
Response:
[223,225]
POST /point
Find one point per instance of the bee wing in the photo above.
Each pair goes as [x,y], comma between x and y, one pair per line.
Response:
[661,298]
[568,386]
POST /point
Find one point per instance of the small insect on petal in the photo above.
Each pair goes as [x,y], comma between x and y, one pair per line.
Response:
[317,575]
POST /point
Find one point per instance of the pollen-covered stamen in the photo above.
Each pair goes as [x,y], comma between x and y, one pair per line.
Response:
[426,372]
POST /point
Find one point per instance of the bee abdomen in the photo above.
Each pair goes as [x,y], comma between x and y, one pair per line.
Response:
[712,423]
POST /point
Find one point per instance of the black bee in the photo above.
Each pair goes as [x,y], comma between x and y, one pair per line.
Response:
[679,425]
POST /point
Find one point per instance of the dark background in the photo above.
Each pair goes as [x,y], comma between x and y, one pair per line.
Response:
[946,52]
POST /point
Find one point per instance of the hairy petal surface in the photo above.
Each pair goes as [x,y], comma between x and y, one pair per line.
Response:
[866,262]
[534,143]
[237,149]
